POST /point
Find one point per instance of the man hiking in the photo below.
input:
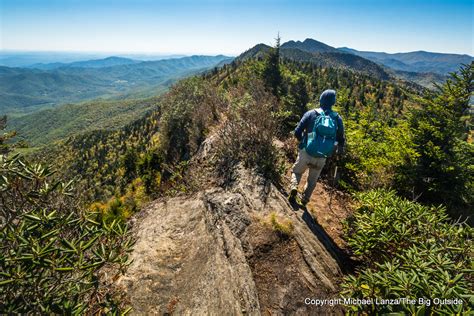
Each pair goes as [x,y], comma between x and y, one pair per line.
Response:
[320,131]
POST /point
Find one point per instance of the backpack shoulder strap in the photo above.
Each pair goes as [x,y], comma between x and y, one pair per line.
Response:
[318,112]
[334,114]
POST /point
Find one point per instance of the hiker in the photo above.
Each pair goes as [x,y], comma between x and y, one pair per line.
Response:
[320,131]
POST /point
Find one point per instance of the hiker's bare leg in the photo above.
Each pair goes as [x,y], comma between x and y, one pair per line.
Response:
[315,168]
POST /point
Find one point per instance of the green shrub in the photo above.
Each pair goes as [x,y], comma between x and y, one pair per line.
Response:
[52,252]
[149,167]
[187,112]
[378,144]
[409,251]
[121,208]
[248,133]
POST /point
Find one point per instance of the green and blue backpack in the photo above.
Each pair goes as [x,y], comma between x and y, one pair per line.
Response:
[322,140]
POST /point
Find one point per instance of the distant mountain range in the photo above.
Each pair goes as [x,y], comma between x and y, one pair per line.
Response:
[419,61]
[320,54]
[94,63]
[24,90]
[28,59]
[420,67]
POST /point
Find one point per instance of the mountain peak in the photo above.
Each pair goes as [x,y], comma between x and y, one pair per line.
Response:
[311,40]
[310,45]
[116,58]
[257,51]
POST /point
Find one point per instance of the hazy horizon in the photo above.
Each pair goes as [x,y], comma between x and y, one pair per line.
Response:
[183,54]
[215,27]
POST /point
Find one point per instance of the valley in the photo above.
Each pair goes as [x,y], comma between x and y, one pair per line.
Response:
[25,90]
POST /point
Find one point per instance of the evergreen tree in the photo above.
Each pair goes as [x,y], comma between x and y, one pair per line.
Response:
[443,172]
[271,71]
[301,95]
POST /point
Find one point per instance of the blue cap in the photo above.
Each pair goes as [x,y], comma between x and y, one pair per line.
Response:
[327,99]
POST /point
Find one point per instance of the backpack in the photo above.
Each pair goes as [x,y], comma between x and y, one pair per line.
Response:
[321,141]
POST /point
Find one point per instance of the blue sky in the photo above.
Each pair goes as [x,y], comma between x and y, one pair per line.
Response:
[230,27]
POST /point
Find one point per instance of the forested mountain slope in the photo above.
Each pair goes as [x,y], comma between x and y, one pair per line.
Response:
[310,45]
[322,57]
[47,126]
[25,90]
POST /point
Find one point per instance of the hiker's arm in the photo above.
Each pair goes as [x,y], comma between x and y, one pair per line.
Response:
[301,126]
[340,135]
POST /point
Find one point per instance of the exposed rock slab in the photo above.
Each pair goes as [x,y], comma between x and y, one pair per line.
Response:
[214,253]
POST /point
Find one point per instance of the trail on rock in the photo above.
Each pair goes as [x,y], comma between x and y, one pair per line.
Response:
[215,253]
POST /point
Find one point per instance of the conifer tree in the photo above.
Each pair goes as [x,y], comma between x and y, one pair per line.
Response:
[271,72]
[301,95]
[443,172]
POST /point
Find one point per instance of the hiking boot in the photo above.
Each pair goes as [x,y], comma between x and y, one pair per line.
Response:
[292,196]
